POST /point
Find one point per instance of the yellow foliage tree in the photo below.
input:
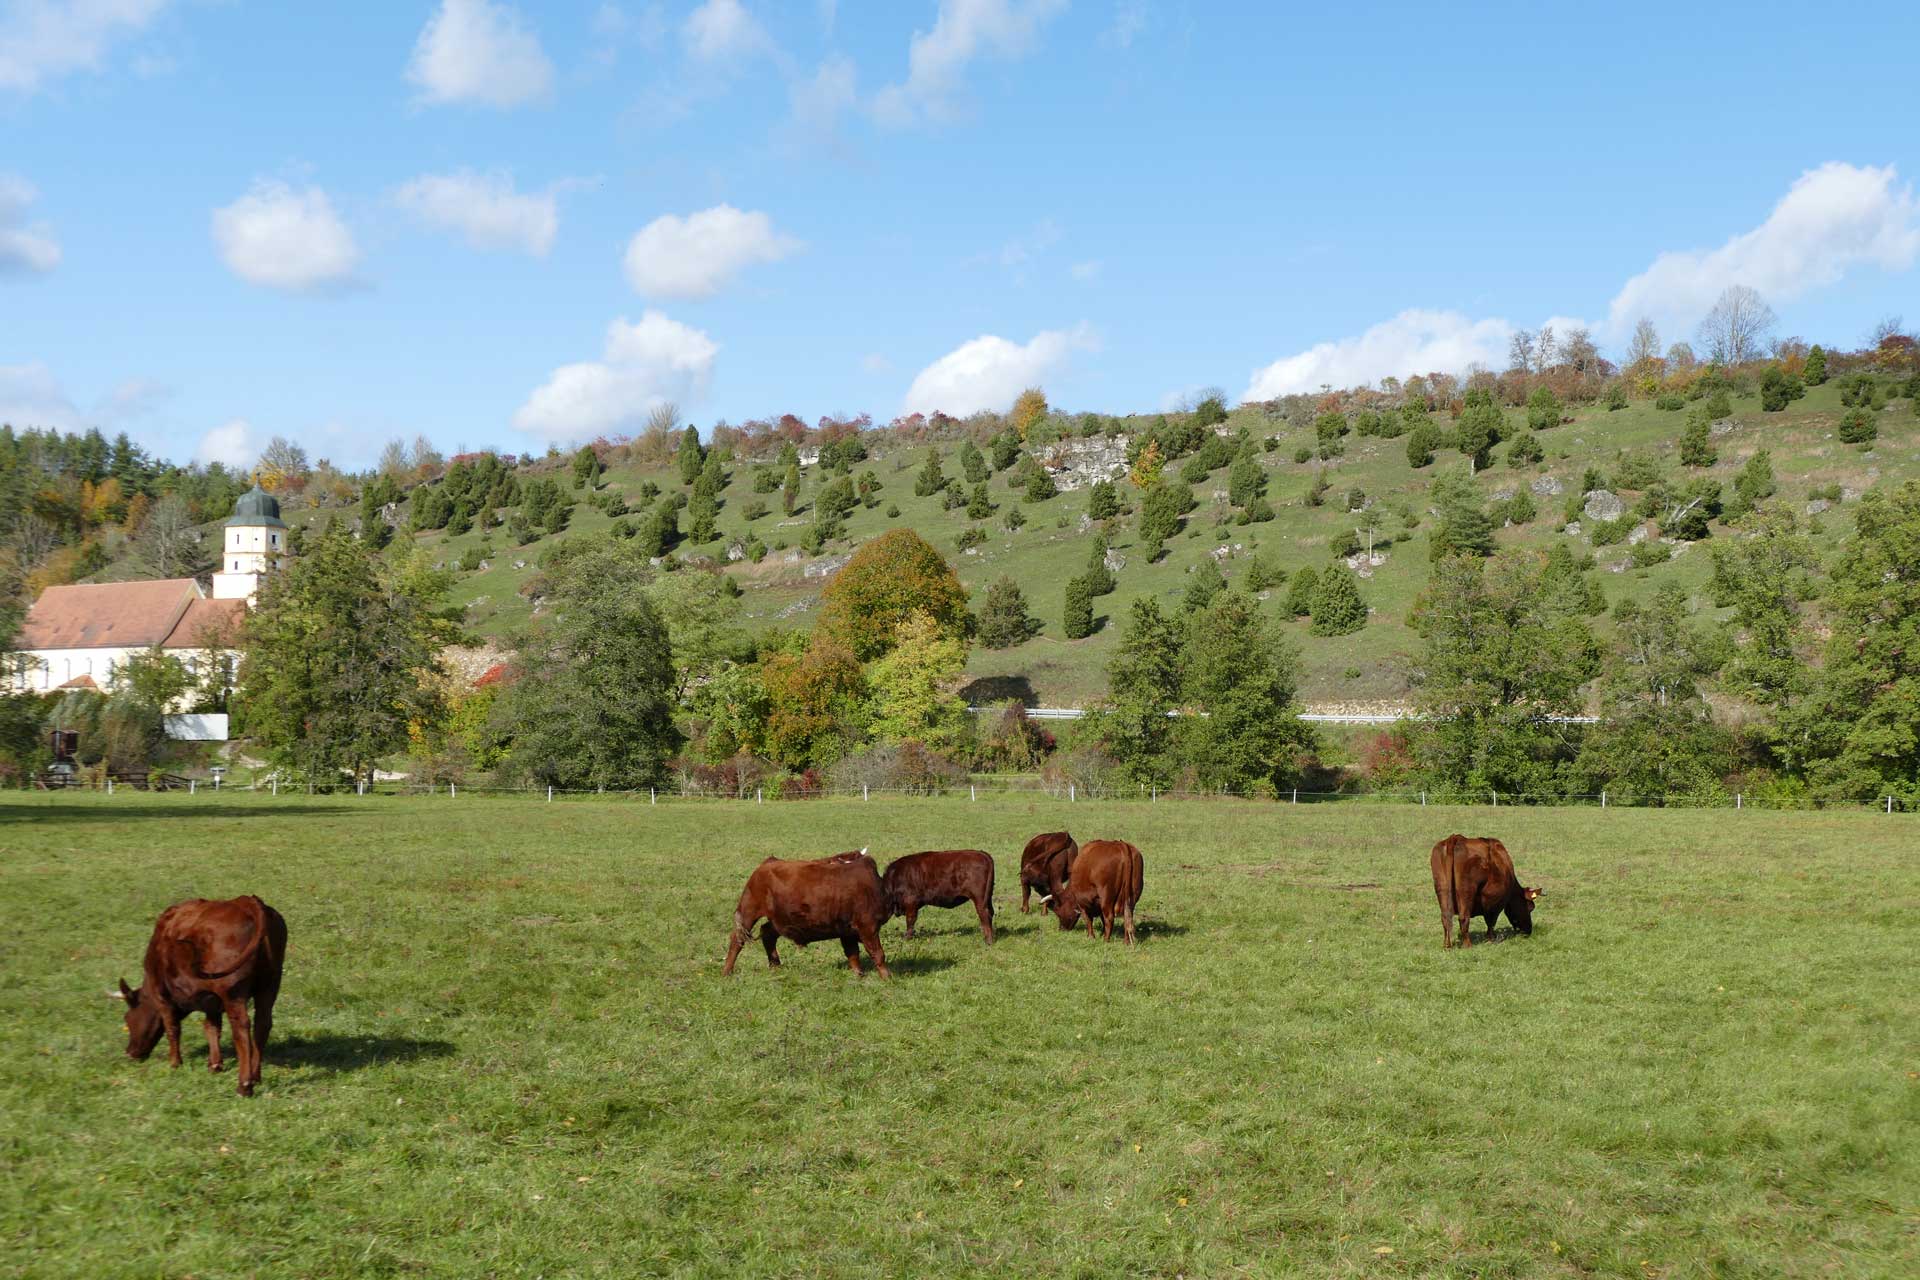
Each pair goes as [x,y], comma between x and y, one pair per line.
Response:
[1029,408]
[1147,467]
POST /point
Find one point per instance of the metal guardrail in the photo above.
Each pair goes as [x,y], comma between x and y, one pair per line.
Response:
[1312,717]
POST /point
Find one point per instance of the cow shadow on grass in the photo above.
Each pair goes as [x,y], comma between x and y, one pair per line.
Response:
[140,812]
[900,965]
[333,1053]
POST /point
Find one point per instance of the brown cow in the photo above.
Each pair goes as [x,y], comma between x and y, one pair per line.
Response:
[945,878]
[808,901]
[211,957]
[1106,880]
[1473,876]
[1044,865]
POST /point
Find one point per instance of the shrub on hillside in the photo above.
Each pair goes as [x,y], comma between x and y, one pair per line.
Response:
[1669,402]
[1859,426]
[1338,609]
[1004,619]
[1299,602]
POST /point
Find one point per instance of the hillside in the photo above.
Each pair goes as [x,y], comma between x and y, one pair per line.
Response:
[1369,667]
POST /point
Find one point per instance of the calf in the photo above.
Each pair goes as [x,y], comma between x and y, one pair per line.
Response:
[1106,880]
[1044,865]
[807,901]
[211,957]
[941,879]
[1473,876]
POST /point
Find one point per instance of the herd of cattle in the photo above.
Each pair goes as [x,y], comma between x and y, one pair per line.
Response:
[212,957]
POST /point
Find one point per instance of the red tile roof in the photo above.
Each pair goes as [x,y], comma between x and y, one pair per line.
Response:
[107,615]
[207,620]
[80,682]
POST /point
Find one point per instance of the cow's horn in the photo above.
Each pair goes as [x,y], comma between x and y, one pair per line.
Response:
[1045,898]
[115,995]
[863,850]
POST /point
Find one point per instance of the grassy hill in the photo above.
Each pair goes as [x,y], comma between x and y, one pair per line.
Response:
[1369,667]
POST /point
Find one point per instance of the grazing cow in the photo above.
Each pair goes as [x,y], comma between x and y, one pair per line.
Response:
[1106,881]
[1044,865]
[808,901]
[1473,876]
[941,879]
[211,957]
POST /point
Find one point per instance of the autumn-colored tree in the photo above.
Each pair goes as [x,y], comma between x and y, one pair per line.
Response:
[1030,407]
[913,698]
[816,704]
[886,582]
[1146,468]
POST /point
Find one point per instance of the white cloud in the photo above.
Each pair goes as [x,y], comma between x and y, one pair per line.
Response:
[696,256]
[937,59]
[1412,342]
[988,372]
[41,40]
[485,209]
[723,30]
[1129,20]
[821,99]
[1834,218]
[477,51]
[23,248]
[644,365]
[285,239]
[30,396]
[1086,271]
[233,444]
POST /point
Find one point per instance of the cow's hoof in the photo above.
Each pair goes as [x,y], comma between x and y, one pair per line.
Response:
[246,1091]
[215,1067]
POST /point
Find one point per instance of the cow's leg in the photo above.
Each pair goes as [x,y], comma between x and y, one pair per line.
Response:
[1492,918]
[1026,891]
[1106,922]
[243,1046]
[264,995]
[912,913]
[771,941]
[1127,909]
[871,938]
[1443,892]
[171,1021]
[983,907]
[851,945]
[213,1040]
[1088,912]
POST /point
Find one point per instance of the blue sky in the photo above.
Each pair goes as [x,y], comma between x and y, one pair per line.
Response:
[508,223]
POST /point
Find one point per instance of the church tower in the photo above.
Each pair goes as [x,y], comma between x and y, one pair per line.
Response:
[256,538]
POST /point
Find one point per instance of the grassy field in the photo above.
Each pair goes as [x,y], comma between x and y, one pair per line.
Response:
[505,1049]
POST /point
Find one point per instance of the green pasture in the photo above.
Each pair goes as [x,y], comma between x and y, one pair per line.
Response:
[505,1048]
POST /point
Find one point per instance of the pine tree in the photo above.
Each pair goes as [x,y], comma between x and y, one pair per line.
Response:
[1300,595]
[979,505]
[929,480]
[1337,607]
[1040,486]
[1078,621]
[973,464]
[1099,577]
[1816,371]
[1103,501]
[1246,480]
[689,457]
[1525,449]
[1207,583]
[1696,442]
[1143,684]
[1543,409]
[1420,444]
[1004,619]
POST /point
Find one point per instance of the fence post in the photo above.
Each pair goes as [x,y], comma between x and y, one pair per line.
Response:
[1070,796]
[275,784]
[452,791]
[1296,795]
[109,784]
[216,782]
[1737,798]
[192,784]
[759,795]
[1423,799]
[863,793]
[1496,799]
[362,786]
[549,793]
[651,798]
[973,792]
[1603,799]
[1889,804]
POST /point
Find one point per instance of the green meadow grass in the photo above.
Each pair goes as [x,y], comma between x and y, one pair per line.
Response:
[505,1048]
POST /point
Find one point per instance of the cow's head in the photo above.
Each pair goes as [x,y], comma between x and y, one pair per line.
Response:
[1065,905]
[1521,909]
[142,1021]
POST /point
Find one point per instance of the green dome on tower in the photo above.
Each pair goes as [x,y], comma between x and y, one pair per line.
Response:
[255,508]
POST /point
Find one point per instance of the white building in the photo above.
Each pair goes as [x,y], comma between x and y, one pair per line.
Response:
[79,635]
[256,539]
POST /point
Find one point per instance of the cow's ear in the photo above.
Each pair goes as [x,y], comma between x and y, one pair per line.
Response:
[123,993]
